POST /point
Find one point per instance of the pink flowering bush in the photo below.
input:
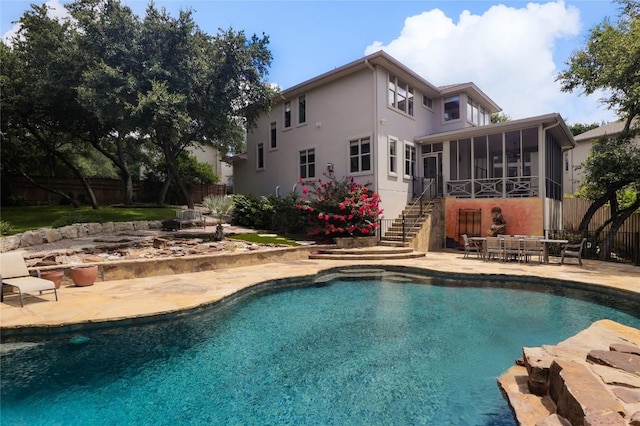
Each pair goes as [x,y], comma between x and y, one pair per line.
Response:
[339,208]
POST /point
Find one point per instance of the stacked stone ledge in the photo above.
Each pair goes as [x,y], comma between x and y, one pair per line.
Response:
[590,379]
[77,230]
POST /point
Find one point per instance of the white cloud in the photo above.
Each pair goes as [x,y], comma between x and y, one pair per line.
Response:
[56,10]
[506,51]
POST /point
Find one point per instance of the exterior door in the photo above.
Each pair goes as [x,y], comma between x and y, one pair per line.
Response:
[432,172]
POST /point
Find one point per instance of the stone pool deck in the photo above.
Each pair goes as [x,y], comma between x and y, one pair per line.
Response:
[131,299]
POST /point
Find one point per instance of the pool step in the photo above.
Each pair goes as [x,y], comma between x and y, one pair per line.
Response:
[367,253]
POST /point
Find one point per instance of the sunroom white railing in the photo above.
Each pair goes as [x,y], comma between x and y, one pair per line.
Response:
[509,187]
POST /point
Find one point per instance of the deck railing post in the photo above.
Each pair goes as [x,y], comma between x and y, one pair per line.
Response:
[404,231]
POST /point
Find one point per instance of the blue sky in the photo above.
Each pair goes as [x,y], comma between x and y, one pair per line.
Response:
[512,49]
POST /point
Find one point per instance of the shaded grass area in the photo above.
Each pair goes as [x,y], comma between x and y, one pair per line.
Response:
[26,218]
[264,239]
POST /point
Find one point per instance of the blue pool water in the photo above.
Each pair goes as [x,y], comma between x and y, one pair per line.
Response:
[345,353]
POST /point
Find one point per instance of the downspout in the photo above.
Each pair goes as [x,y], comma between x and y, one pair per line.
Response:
[543,185]
[374,138]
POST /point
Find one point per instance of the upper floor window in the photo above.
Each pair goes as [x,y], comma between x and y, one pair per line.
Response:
[360,155]
[302,109]
[273,136]
[409,160]
[307,163]
[400,95]
[427,101]
[476,113]
[260,156]
[287,114]
[452,108]
[393,156]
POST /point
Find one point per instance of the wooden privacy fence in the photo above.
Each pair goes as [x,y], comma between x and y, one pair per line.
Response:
[106,191]
[574,209]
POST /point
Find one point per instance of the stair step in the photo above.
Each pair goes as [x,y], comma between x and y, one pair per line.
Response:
[367,251]
[391,243]
[379,256]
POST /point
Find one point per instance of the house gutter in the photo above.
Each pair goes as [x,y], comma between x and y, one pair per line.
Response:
[374,141]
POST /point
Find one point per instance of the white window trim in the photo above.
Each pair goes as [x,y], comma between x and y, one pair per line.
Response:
[284,115]
[462,115]
[424,106]
[275,148]
[264,159]
[404,158]
[395,108]
[348,147]
[315,153]
[397,141]
[306,112]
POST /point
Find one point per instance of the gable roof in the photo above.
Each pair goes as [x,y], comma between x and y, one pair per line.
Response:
[609,129]
[386,61]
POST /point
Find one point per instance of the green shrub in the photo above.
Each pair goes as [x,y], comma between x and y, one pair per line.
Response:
[269,212]
[5,227]
[252,211]
[71,218]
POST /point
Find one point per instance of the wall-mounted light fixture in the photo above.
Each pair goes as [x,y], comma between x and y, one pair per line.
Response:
[330,167]
[318,124]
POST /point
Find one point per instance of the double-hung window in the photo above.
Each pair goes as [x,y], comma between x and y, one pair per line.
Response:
[260,156]
[360,155]
[302,109]
[287,114]
[409,160]
[273,136]
[393,156]
[307,163]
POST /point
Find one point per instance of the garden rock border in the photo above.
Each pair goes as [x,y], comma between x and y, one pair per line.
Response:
[77,230]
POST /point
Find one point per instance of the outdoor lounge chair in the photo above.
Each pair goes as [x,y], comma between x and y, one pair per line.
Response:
[13,272]
[573,250]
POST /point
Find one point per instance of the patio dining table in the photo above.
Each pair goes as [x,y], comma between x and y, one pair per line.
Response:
[546,243]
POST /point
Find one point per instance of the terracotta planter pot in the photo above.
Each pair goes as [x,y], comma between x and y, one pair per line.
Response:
[84,276]
[55,276]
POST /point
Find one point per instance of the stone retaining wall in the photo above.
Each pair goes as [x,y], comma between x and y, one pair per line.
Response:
[77,230]
[142,268]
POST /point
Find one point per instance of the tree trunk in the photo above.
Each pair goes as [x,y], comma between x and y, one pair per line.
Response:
[593,208]
[162,196]
[170,159]
[618,220]
[60,193]
[83,180]
[120,161]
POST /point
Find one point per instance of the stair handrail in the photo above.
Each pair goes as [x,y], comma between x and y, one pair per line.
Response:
[419,199]
[404,226]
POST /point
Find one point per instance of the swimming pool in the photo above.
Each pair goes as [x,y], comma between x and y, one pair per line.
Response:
[338,351]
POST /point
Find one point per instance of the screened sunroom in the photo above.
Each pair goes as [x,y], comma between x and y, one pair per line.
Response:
[515,159]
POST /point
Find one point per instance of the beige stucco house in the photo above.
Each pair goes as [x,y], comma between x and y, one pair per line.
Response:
[574,158]
[380,122]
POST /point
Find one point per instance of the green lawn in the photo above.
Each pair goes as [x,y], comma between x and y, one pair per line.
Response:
[27,218]
[263,239]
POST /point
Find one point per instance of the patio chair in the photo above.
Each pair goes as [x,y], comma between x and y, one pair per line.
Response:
[512,249]
[14,273]
[532,247]
[470,246]
[494,248]
[573,250]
